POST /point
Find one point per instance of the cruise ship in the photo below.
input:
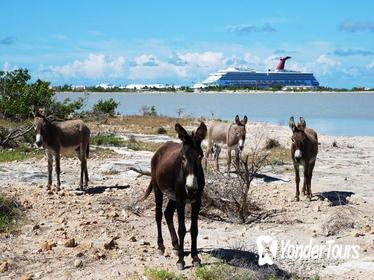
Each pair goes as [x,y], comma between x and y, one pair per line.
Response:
[244,77]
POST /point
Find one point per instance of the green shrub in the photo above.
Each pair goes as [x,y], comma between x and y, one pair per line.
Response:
[161,274]
[65,108]
[106,140]
[8,213]
[108,106]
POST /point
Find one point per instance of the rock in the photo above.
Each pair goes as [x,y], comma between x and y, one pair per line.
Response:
[367,228]
[99,255]
[112,214]
[61,220]
[70,243]
[26,277]
[356,234]
[145,243]
[45,246]
[78,263]
[86,245]
[132,239]
[35,227]
[112,244]
[4,267]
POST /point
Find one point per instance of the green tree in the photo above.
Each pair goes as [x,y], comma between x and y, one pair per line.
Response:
[108,106]
[17,95]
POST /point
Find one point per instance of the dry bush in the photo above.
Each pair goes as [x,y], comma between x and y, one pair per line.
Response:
[161,130]
[271,143]
[230,194]
[342,218]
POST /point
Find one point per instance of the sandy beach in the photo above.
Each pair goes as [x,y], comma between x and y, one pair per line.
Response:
[342,187]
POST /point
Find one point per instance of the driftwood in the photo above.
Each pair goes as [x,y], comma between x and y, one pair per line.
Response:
[15,134]
[140,171]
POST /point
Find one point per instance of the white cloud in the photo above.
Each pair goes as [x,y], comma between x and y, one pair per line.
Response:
[203,59]
[95,66]
[324,64]
[61,37]
[370,65]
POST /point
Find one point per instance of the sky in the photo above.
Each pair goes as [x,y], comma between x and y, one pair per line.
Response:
[182,42]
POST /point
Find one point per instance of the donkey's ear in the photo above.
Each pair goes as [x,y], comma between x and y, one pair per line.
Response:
[245,120]
[291,123]
[34,110]
[201,132]
[302,123]
[237,119]
[182,133]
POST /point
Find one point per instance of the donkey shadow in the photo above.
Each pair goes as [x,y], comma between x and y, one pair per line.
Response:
[248,260]
[101,189]
[335,197]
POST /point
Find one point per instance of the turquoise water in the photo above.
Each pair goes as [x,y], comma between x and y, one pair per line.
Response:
[344,114]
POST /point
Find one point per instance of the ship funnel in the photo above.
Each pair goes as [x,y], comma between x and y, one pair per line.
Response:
[282,61]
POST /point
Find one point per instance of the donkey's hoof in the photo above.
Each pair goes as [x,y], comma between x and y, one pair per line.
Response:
[175,252]
[161,251]
[297,198]
[196,262]
[180,265]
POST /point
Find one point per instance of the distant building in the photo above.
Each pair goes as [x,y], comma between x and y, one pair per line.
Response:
[78,87]
[105,86]
[150,86]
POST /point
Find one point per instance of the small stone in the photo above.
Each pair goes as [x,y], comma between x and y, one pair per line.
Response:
[112,214]
[26,277]
[70,243]
[4,267]
[132,239]
[78,263]
[100,256]
[35,227]
[356,234]
[61,220]
[367,228]
[86,245]
[112,244]
[45,246]
[145,243]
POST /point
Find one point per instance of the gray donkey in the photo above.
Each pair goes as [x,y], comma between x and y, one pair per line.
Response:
[233,135]
[61,137]
[304,149]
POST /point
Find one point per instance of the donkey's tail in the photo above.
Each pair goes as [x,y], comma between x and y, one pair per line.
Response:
[148,191]
[88,150]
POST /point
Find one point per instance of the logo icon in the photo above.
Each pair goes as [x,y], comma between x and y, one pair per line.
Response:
[267,248]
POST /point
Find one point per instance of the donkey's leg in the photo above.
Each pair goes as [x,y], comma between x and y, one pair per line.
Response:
[195,209]
[216,156]
[50,168]
[297,180]
[309,190]
[58,170]
[181,234]
[169,214]
[237,156]
[228,160]
[160,241]
[306,180]
[207,154]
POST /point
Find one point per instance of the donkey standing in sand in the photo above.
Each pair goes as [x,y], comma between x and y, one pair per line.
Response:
[304,149]
[176,172]
[60,137]
[233,135]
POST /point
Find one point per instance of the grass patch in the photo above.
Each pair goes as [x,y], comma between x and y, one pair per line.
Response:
[141,145]
[8,213]
[106,140]
[142,124]
[20,153]
[279,156]
[161,274]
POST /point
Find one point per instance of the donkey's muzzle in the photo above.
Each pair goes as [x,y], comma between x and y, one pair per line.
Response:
[39,143]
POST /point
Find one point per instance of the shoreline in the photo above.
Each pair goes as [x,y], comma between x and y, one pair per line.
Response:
[217,92]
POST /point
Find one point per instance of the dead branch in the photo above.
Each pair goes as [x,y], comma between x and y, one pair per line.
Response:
[13,134]
[140,171]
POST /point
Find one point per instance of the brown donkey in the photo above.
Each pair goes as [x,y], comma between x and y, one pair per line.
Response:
[60,137]
[304,149]
[233,135]
[176,172]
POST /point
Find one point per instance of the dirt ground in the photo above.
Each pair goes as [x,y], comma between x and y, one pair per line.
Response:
[115,234]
